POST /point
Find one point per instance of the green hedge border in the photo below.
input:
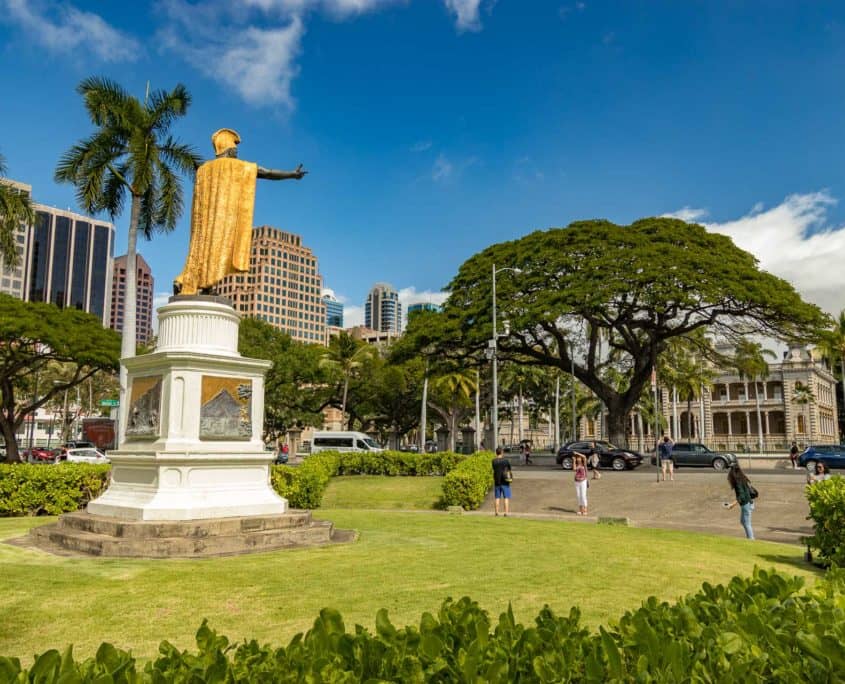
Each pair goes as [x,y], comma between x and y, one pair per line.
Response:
[466,479]
[36,489]
[827,510]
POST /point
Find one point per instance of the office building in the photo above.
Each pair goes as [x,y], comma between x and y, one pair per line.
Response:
[283,286]
[422,306]
[382,310]
[66,259]
[144,284]
[12,280]
[334,309]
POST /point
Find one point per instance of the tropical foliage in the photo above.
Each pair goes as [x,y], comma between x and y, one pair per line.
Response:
[15,209]
[33,338]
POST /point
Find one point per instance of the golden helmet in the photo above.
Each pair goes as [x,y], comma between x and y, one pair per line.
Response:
[224,139]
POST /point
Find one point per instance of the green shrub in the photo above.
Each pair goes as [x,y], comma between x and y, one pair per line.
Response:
[759,629]
[467,484]
[827,509]
[34,489]
[303,486]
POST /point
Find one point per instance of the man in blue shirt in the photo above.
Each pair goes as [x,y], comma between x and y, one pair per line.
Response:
[666,461]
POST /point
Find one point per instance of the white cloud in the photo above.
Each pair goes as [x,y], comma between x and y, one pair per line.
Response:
[409,295]
[443,168]
[466,14]
[688,214]
[352,316]
[421,146]
[794,241]
[64,29]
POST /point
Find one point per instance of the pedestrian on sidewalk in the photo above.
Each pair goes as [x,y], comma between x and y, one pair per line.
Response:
[793,455]
[820,474]
[666,460]
[526,454]
[594,460]
[745,494]
[579,465]
[502,478]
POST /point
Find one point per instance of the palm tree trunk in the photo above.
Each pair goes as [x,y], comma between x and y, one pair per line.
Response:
[689,417]
[676,433]
[521,434]
[640,435]
[423,408]
[343,403]
[759,417]
[130,302]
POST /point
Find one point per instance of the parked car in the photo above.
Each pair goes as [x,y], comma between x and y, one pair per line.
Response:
[82,456]
[609,455]
[694,454]
[78,444]
[41,455]
[832,455]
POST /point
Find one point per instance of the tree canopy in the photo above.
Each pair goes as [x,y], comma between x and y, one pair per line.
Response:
[34,335]
[632,288]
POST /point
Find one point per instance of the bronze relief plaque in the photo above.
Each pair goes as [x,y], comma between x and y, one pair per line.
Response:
[144,407]
[226,408]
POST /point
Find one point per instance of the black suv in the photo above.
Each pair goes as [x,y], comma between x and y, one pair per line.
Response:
[694,454]
[609,455]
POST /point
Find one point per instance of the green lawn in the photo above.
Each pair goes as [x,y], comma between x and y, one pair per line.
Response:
[379,492]
[407,562]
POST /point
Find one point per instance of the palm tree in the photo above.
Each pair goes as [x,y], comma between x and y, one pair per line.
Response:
[130,152]
[15,208]
[803,396]
[750,362]
[690,377]
[456,387]
[345,355]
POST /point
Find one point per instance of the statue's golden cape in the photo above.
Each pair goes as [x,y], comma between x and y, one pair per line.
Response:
[221,223]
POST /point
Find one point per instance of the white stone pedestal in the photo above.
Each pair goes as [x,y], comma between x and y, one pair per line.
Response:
[194,414]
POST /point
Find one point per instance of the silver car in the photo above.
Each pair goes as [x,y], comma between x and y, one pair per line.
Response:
[83,456]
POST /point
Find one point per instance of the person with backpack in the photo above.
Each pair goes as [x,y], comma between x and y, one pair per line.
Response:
[745,494]
[502,478]
[666,461]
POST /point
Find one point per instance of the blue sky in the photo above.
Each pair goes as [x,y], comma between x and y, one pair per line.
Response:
[433,128]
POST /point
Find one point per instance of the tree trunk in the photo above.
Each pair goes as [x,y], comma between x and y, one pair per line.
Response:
[8,426]
[130,302]
[640,434]
[689,418]
[521,433]
[343,420]
[616,424]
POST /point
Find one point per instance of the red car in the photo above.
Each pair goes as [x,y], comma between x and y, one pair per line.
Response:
[41,455]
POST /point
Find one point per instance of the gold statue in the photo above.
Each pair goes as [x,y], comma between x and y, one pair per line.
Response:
[221,215]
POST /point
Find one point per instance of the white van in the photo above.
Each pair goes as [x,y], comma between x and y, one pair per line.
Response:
[343,441]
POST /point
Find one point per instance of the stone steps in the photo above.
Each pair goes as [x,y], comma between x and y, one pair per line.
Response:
[81,533]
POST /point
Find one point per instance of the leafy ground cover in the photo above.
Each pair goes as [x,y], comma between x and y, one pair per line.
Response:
[381,492]
[404,562]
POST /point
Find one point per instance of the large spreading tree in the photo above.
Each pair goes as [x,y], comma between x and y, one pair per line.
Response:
[34,336]
[130,154]
[630,288]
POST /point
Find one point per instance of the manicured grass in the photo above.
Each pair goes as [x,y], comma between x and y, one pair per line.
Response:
[381,492]
[406,562]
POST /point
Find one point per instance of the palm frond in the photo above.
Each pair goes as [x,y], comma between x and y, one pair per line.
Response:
[105,101]
[15,208]
[169,200]
[183,157]
[146,219]
[164,107]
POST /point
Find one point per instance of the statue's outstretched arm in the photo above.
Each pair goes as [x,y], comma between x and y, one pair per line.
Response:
[273,174]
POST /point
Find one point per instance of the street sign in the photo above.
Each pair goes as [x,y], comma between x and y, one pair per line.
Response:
[109,402]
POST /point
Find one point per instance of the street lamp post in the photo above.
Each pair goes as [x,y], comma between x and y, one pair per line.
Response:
[494,347]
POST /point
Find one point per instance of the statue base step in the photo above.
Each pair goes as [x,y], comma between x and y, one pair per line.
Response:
[85,534]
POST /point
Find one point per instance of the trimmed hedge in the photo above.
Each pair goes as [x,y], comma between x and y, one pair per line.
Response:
[759,629]
[303,485]
[827,509]
[468,483]
[34,489]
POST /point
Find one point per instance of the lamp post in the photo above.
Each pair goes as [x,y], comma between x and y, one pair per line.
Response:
[494,342]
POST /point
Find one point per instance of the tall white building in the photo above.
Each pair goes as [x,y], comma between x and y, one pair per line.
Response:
[382,310]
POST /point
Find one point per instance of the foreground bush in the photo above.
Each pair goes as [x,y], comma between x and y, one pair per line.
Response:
[468,483]
[303,485]
[827,509]
[762,629]
[33,489]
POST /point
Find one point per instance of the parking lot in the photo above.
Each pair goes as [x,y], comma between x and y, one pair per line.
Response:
[692,502]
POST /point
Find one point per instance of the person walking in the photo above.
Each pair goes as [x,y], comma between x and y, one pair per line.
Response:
[666,460]
[579,465]
[594,460]
[745,494]
[502,478]
[793,455]
[526,454]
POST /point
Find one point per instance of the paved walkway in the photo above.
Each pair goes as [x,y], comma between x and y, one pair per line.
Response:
[692,502]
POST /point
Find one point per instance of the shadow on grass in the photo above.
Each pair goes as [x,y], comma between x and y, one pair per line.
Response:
[795,561]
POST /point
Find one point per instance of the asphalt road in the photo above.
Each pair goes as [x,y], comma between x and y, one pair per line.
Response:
[692,502]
